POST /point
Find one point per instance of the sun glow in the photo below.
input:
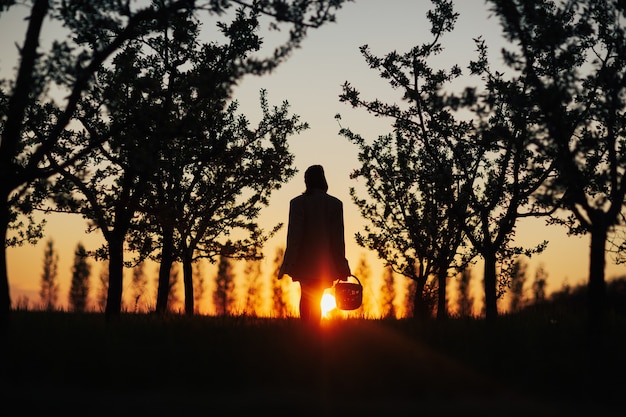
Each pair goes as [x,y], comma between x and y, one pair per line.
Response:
[328,304]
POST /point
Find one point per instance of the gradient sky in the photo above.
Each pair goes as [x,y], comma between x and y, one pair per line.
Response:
[311,82]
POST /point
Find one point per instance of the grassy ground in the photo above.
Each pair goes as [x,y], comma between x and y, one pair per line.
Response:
[69,364]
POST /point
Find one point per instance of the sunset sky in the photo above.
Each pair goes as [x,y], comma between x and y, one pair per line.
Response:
[311,82]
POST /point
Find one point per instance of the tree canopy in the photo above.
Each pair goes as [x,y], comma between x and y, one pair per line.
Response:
[37,129]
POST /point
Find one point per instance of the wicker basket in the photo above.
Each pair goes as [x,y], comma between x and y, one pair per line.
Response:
[348,295]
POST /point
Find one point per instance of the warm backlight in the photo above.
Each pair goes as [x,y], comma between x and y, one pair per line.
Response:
[328,304]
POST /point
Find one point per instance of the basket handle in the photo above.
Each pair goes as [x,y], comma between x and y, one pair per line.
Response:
[351,276]
[357,280]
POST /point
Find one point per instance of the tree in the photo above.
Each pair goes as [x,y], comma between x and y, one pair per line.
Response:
[253,278]
[103,289]
[474,175]
[204,156]
[571,55]
[173,299]
[138,284]
[224,294]
[364,273]
[199,287]
[181,155]
[409,300]
[465,301]
[503,174]
[539,285]
[34,125]
[518,279]
[388,294]
[237,163]
[106,185]
[49,292]
[279,304]
[410,176]
[79,287]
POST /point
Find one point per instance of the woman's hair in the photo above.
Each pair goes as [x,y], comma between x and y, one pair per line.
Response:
[314,179]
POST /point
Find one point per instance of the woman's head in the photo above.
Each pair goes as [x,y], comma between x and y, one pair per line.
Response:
[314,178]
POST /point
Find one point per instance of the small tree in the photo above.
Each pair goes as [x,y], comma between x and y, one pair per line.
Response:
[539,284]
[465,301]
[279,304]
[253,278]
[518,279]
[79,288]
[199,286]
[49,292]
[138,285]
[173,298]
[410,299]
[388,293]
[103,289]
[364,273]
[410,175]
[224,294]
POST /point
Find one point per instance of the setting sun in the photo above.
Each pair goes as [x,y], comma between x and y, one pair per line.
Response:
[328,304]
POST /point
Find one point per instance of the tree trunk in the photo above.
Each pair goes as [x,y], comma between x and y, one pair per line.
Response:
[5,296]
[167,259]
[116,275]
[490,279]
[420,310]
[115,240]
[596,287]
[188,283]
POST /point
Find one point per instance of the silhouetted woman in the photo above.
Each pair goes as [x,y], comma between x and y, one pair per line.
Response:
[315,252]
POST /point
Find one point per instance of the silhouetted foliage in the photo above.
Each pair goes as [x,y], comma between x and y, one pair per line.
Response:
[465,300]
[138,285]
[190,170]
[280,307]
[539,284]
[199,286]
[253,277]
[442,180]
[39,137]
[518,280]
[410,299]
[79,285]
[49,291]
[363,272]
[224,294]
[173,297]
[103,288]
[413,185]
[571,57]
[388,294]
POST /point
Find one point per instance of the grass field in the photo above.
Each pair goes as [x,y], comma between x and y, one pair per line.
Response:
[78,364]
